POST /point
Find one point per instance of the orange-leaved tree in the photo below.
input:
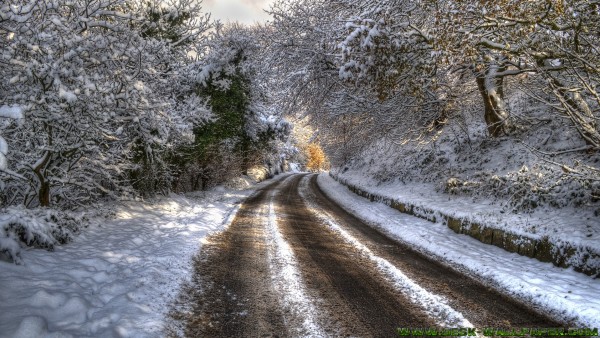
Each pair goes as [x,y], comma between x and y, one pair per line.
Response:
[316,158]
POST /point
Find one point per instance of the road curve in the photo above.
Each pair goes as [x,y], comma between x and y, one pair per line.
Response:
[294,263]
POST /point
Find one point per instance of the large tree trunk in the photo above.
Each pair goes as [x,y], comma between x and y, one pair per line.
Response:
[491,88]
[44,185]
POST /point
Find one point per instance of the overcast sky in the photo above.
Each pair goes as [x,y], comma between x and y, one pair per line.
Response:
[244,11]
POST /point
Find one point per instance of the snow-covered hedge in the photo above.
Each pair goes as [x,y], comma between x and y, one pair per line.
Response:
[40,228]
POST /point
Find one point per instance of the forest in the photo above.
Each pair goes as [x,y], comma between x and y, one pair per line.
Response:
[118,100]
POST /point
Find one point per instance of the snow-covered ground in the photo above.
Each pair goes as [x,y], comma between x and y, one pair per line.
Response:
[576,226]
[115,279]
[562,293]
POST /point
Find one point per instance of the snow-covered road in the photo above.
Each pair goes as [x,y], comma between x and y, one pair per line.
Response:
[329,274]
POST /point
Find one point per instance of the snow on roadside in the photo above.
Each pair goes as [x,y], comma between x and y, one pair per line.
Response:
[564,226]
[115,279]
[287,280]
[434,305]
[562,293]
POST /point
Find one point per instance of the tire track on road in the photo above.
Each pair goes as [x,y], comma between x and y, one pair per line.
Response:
[480,304]
[359,302]
[231,291]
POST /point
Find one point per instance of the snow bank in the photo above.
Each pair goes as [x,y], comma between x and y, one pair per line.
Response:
[566,236]
[562,293]
[117,278]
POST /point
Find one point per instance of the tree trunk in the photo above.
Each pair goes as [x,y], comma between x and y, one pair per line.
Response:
[44,189]
[44,194]
[491,88]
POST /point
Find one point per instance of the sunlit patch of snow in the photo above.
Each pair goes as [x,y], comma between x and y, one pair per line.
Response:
[119,276]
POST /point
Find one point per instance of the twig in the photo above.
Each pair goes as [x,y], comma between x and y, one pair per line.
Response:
[14,174]
[564,151]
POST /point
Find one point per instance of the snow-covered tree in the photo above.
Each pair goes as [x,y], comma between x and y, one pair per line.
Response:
[360,70]
[302,43]
[245,124]
[553,40]
[96,89]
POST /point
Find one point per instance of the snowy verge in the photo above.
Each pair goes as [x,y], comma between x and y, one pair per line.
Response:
[117,278]
[564,237]
[562,293]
